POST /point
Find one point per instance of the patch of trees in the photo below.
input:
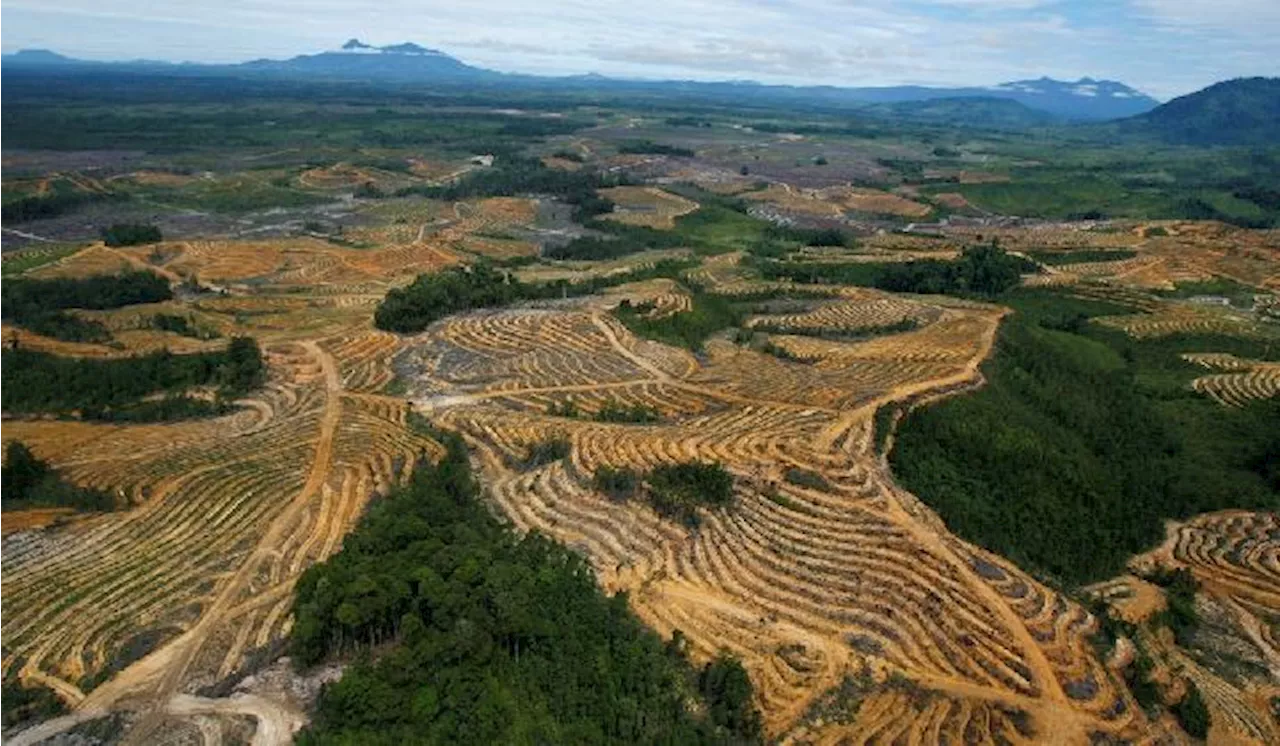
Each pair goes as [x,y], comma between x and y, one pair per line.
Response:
[37,304]
[130,234]
[687,122]
[433,296]
[1192,713]
[617,240]
[1083,442]
[1179,614]
[678,490]
[710,314]
[620,483]
[649,147]
[842,332]
[979,271]
[1057,258]
[58,202]
[30,482]
[129,388]
[673,490]
[483,636]
[513,176]
[615,411]
[803,236]
[23,297]
[547,451]
[181,325]
[807,478]
[29,704]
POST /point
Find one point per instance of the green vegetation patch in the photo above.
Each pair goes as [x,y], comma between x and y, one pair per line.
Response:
[655,148]
[1084,441]
[433,296]
[130,388]
[29,704]
[710,313]
[484,637]
[678,490]
[130,234]
[38,305]
[983,271]
[26,260]
[30,482]
[1059,258]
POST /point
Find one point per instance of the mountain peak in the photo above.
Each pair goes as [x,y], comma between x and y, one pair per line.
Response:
[355,45]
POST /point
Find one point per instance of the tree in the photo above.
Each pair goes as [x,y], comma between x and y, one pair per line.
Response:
[725,685]
[245,369]
[22,470]
[1192,713]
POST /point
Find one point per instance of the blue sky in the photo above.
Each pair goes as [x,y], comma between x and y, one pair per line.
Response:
[1163,47]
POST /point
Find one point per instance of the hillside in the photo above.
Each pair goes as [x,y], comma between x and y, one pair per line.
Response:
[1244,111]
[991,113]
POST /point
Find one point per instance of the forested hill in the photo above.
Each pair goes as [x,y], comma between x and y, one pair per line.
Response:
[1244,111]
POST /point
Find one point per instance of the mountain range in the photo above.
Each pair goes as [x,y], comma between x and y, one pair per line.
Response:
[1083,100]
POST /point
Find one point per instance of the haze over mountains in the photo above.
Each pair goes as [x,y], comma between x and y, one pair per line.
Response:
[1082,100]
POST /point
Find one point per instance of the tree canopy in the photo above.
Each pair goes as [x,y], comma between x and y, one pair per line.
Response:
[486,637]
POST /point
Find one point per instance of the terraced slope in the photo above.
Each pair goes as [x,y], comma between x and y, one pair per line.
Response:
[855,588]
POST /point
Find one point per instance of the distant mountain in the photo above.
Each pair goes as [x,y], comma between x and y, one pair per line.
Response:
[38,58]
[407,63]
[991,113]
[356,60]
[1086,98]
[1245,111]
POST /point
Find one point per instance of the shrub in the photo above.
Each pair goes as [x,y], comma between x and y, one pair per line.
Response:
[618,483]
[806,478]
[547,451]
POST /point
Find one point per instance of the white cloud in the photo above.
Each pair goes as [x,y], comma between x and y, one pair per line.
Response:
[1245,17]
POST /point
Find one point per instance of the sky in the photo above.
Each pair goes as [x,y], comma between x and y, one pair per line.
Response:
[1163,47]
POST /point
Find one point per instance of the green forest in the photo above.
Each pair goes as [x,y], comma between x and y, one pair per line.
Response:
[464,632]
[1083,441]
[125,388]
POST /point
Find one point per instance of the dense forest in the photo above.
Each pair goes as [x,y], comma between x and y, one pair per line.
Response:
[125,388]
[1083,441]
[485,637]
[39,305]
[30,482]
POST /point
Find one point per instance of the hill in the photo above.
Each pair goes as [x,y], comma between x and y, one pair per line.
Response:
[1234,112]
[990,113]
